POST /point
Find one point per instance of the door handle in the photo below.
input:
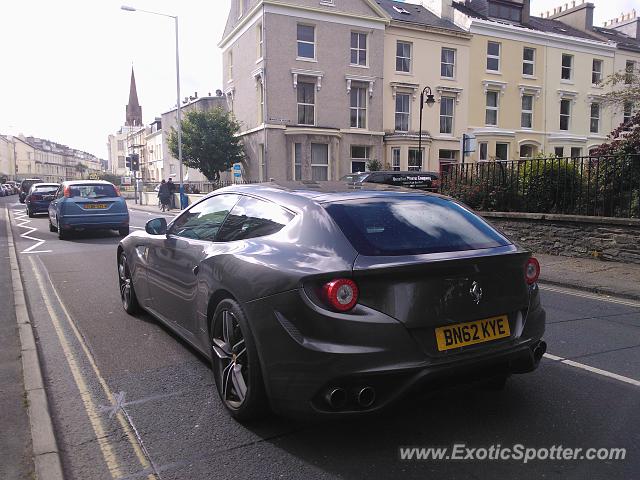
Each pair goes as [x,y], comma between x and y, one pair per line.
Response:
[196,269]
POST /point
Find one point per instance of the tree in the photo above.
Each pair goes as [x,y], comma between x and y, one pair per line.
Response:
[374,165]
[209,142]
[625,89]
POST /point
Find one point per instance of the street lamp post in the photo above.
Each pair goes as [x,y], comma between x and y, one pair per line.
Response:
[179,113]
[430,100]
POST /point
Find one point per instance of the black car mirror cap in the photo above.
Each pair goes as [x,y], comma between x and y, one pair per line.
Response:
[156,226]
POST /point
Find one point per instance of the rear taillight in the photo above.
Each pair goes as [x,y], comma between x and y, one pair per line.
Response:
[67,192]
[532,271]
[341,294]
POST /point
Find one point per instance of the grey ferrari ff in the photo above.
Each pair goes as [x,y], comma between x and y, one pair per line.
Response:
[329,298]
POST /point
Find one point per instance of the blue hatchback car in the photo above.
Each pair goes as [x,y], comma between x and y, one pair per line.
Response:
[88,205]
[39,197]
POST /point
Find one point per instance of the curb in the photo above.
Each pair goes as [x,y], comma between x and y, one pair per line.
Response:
[598,290]
[46,456]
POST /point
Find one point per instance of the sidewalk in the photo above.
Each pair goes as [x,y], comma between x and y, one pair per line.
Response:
[609,278]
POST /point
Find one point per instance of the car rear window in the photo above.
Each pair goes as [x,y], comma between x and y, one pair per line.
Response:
[92,191]
[412,225]
[45,189]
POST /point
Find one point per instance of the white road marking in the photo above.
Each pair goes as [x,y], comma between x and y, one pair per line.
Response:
[20,216]
[592,296]
[591,369]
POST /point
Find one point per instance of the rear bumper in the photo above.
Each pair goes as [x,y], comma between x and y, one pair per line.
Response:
[306,352]
[38,207]
[94,221]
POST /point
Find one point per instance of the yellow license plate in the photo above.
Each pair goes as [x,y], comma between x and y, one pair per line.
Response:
[95,205]
[470,333]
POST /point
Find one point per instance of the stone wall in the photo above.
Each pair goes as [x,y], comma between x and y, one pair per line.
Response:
[613,239]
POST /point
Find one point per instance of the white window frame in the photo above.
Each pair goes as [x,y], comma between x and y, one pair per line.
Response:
[395,159]
[398,42]
[596,118]
[240,8]
[306,42]
[323,165]
[563,68]
[496,108]
[573,149]
[260,34]
[443,63]
[596,74]
[364,159]
[529,62]
[299,104]
[508,148]
[408,113]
[358,48]
[260,87]
[527,112]
[421,166]
[497,57]
[627,111]
[357,107]
[452,100]
[297,160]
[629,72]
[483,156]
[568,115]
[230,65]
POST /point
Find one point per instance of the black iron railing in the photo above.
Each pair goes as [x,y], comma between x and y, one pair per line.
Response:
[593,186]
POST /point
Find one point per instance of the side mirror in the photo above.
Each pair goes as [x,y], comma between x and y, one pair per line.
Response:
[156,226]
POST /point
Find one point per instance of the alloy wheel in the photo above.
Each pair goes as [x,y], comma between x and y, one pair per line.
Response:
[124,278]
[230,357]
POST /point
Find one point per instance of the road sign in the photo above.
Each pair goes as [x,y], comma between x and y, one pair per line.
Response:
[467,144]
[126,181]
[237,174]
[237,167]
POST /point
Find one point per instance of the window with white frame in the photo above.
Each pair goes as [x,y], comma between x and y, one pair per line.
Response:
[558,151]
[358,107]
[306,103]
[261,162]
[297,161]
[502,151]
[359,158]
[240,8]
[306,41]
[403,56]
[359,49]
[259,34]
[526,151]
[627,112]
[402,112]
[446,115]
[260,102]
[596,72]
[395,159]
[493,56]
[448,63]
[230,66]
[565,114]
[415,160]
[528,61]
[576,152]
[491,114]
[629,69]
[567,67]
[594,123]
[319,161]
[526,117]
[483,151]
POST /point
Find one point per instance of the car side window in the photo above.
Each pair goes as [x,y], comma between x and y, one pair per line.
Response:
[252,218]
[203,220]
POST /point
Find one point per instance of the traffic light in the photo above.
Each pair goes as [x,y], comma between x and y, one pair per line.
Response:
[135,162]
[128,162]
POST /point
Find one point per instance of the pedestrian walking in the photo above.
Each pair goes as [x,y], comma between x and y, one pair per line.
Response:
[172,191]
[163,195]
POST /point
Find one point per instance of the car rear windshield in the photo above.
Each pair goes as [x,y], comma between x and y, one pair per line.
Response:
[92,191]
[48,189]
[412,225]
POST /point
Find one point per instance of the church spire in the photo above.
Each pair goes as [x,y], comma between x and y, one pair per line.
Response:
[134,110]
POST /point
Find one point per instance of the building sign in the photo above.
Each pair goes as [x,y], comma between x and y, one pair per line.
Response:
[126,181]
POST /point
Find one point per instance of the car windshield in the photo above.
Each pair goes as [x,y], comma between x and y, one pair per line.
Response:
[412,225]
[45,189]
[92,191]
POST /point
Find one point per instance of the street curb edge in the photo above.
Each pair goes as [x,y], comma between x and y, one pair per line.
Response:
[46,456]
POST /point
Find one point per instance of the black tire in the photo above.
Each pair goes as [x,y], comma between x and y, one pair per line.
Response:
[30,213]
[124,231]
[62,235]
[235,363]
[51,227]
[125,283]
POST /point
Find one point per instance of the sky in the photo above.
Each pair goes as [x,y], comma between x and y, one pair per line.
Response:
[66,64]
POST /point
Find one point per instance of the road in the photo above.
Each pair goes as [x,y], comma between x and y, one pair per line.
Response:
[169,423]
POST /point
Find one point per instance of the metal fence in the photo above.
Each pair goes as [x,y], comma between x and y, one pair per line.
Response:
[593,186]
[198,187]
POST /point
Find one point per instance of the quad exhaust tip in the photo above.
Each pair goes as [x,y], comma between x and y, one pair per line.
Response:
[336,397]
[366,396]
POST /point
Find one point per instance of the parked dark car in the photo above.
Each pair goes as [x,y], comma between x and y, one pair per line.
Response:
[39,197]
[335,299]
[25,185]
[88,205]
[428,181]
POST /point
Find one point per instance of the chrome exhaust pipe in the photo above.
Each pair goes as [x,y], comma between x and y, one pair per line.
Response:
[366,396]
[336,397]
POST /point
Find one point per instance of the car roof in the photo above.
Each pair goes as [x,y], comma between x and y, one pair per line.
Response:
[299,193]
[43,184]
[86,182]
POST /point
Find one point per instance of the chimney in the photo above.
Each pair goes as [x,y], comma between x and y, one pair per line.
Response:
[629,24]
[576,16]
